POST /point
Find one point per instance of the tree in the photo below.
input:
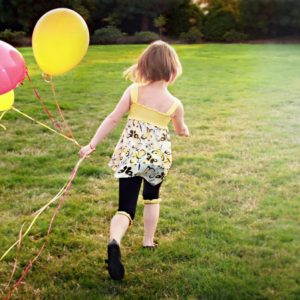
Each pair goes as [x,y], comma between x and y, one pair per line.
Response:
[257,18]
[261,18]
[138,15]
[183,15]
[217,23]
[159,23]
[23,14]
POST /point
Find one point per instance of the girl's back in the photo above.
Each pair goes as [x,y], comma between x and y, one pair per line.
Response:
[156,97]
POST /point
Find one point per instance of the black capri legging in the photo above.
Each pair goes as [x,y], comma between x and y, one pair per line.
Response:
[129,189]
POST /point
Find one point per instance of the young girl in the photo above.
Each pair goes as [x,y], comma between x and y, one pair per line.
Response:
[143,153]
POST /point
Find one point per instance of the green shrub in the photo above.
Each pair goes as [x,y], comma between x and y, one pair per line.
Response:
[112,35]
[217,23]
[145,37]
[234,36]
[14,38]
[194,35]
[127,39]
[106,35]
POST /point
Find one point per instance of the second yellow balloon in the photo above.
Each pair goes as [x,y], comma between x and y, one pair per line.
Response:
[60,40]
[7,100]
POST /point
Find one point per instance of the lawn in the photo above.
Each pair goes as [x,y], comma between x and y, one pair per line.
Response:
[229,225]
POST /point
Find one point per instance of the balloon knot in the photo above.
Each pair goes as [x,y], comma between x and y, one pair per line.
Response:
[47,78]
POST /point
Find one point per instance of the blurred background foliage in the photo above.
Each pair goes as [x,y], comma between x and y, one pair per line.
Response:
[141,21]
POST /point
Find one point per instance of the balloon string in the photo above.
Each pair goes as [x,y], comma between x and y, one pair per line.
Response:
[25,271]
[63,193]
[45,126]
[37,214]
[60,111]
[12,274]
[68,186]
[2,115]
[43,104]
[16,259]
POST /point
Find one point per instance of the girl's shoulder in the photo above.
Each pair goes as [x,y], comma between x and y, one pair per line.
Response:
[177,105]
[174,99]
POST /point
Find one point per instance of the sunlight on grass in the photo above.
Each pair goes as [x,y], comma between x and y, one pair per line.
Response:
[229,226]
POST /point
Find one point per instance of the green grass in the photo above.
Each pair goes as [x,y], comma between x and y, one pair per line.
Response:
[229,225]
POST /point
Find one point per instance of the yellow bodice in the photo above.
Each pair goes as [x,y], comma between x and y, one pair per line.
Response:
[147,114]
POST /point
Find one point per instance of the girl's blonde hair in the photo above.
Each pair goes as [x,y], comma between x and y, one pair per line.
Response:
[159,61]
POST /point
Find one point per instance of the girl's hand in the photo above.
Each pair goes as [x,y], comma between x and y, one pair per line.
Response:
[86,150]
[185,132]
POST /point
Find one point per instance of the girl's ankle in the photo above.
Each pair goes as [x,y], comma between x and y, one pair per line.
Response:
[148,243]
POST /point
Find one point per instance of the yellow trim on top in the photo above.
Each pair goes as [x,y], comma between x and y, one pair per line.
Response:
[153,109]
[142,113]
[173,107]
[134,93]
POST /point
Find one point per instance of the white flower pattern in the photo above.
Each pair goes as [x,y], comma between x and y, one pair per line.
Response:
[143,150]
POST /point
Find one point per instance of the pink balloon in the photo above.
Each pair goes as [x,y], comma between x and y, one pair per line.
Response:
[12,68]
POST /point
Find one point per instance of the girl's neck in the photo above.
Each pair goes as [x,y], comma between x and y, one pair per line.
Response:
[162,84]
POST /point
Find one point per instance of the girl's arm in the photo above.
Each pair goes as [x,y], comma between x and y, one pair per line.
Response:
[108,124]
[178,122]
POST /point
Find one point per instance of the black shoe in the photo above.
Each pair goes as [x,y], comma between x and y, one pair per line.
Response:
[155,245]
[115,268]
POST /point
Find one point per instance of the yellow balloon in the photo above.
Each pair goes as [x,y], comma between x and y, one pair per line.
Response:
[60,40]
[7,100]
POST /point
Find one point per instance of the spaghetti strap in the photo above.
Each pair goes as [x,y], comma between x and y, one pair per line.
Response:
[173,107]
[134,93]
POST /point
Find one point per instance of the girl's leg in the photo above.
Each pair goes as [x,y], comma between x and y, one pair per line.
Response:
[151,212]
[151,216]
[118,226]
[128,195]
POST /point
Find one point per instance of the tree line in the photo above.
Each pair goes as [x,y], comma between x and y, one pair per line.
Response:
[211,20]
